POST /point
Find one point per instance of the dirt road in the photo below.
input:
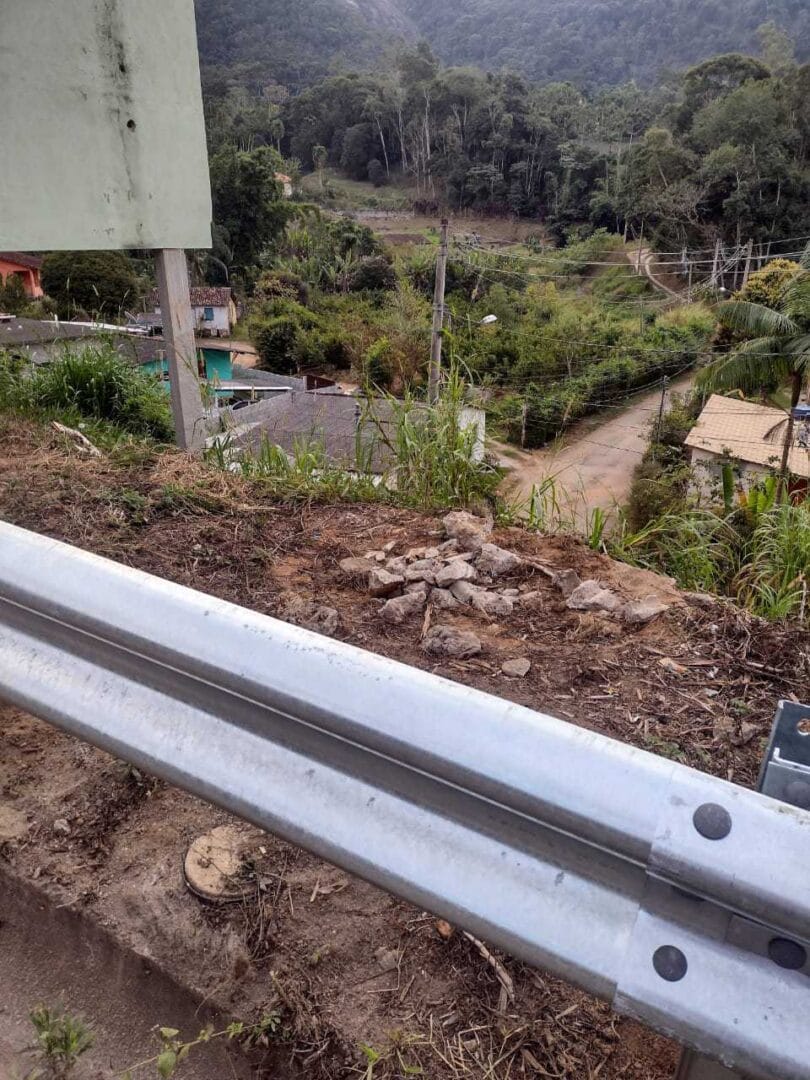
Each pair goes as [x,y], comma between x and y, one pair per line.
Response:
[593,463]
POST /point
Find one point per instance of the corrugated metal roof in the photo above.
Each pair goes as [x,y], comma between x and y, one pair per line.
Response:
[344,425]
[749,432]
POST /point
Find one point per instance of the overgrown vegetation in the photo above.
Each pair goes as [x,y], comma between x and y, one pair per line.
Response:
[92,383]
[431,459]
[721,150]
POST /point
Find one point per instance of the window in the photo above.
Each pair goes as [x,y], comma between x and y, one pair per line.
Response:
[208,314]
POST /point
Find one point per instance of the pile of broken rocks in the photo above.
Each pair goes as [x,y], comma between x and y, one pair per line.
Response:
[466,571]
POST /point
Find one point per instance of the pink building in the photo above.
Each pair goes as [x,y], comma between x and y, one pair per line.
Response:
[26,267]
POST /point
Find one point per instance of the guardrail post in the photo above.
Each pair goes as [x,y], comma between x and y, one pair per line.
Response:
[785,775]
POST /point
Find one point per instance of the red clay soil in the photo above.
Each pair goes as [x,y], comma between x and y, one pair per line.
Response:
[345,964]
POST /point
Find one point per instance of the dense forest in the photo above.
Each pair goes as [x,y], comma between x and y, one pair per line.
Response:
[722,150]
[598,42]
[589,42]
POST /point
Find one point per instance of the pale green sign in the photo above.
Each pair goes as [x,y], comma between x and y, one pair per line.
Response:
[102,138]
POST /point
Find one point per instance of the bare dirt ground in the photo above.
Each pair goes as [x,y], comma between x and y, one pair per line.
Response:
[593,463]
[342,963]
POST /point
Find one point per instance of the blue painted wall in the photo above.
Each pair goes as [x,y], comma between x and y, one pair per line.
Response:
[218,367]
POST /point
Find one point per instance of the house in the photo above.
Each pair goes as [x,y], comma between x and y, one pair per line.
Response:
[214,361]
[27,268]
[751,437]
[214,311]
[354,435]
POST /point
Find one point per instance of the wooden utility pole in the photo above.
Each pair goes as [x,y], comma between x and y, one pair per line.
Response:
[748,259]
[434,377]
[716,266]
[524,424]
[640,248]
[660,424]
[181,348]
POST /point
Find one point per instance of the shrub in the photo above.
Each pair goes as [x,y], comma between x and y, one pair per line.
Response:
[282,285]
[372,274]
[376,173]
[377,364]
[101,282]
[278,342]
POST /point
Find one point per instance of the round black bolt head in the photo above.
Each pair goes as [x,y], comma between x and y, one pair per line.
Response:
[712,821]
[670,963]
[787,954]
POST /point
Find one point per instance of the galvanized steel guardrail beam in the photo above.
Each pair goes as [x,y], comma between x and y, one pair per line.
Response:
[680,898]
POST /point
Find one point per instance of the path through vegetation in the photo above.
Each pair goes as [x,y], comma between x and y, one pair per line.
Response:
[593,464]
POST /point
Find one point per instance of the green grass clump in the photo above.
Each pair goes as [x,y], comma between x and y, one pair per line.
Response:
[95,383]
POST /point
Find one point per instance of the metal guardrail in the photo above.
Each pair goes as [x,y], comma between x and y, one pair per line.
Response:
[680,898]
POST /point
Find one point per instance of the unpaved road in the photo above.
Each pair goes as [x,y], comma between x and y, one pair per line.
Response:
[593,463]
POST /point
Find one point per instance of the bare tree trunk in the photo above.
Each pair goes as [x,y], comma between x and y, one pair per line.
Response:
[384,148]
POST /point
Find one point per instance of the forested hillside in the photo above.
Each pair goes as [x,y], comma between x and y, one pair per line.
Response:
[598,42]
[588,42]
[292,42]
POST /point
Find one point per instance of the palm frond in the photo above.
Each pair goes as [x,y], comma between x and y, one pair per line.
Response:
[804,262]
[795,301]
[755,319]
[799,350]
[754,364]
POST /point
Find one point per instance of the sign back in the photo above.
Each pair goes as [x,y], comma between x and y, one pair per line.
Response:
[102,137]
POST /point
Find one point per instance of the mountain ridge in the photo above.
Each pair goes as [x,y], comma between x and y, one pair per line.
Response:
[587,42]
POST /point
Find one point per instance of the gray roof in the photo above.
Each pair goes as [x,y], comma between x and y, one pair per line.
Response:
[17,333]
[256,377]
[341,423]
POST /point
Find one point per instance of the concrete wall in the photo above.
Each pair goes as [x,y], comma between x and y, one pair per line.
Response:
[220,325]
[708,474]
[101,126]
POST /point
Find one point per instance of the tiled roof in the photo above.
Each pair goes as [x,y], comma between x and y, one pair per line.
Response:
[749,432]
[203,296]
[30,262]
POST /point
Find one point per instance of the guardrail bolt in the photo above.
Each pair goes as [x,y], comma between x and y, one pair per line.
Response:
[712,821]
[670,963]
[787,954]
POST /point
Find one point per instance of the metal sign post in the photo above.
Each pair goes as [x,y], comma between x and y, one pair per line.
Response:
[181,349]
[119,160]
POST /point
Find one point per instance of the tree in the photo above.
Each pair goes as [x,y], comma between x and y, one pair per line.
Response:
[249,210]
[358,149]
[97,282]
[777,349]
[376,173]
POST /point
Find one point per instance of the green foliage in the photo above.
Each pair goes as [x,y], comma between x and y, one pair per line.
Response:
[767,286]
[279,344]
[281,285]
[775,339]
[61,1040]
[372,274]
[174,1050]
[95,382]
[100,283]
[249,210]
